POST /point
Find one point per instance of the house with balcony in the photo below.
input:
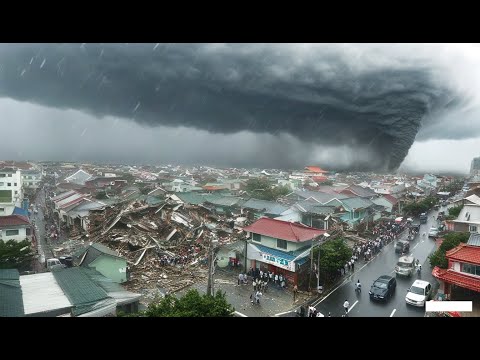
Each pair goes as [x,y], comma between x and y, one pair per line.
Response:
[32,179]
[462,277]
[281,247]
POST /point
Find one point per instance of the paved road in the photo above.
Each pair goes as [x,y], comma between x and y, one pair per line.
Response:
[44,249]
[383,264]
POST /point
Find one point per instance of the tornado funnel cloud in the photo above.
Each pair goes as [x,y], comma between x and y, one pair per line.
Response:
[317,97]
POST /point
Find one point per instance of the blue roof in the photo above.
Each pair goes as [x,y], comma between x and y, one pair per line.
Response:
[20,211]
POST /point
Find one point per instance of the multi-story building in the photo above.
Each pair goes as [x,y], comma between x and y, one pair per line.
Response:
[475,166]
[11,190]
[31,179]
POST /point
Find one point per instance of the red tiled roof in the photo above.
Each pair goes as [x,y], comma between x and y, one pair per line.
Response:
[319,178]
[465,253]
[13,220]
[285,230]
[213,188]
[391,199]
[457,278]
[315,169]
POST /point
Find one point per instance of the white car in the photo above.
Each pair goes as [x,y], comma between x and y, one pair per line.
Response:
[419,293]
[433,232]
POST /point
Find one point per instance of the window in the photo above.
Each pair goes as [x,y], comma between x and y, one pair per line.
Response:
[472,228]
[2,184]
[11,232]
[282,244]
[2,210]
[9,184]
[2,175]
[256,237]
[471,269]
[29,231]
[9,175]
[14,184]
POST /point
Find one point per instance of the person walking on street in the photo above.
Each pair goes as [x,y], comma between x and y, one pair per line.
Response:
[295,291]
[353,266]
[346,305]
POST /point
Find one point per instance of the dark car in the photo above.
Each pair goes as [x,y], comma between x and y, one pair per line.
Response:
[402,247]
[383,288]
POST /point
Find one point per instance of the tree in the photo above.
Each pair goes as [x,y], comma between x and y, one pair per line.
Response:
[192,304]
[454,212]
[416,208]
[334,254]
[16,255]
[451,240]
[262,189]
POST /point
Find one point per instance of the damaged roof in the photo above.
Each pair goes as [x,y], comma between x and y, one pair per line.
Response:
[94,251]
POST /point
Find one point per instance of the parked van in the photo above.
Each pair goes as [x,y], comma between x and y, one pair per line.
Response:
[405,266]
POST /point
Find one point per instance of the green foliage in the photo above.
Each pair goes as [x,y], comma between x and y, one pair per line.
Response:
[16,255]
[416,208]
[192,304]
[451,240]
[262,189]
[334,254]
[455,211]
[327,183]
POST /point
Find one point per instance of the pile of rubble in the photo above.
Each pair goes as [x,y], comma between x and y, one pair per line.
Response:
[166,246]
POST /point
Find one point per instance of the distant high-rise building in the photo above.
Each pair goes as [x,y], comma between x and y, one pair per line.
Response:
[475,167]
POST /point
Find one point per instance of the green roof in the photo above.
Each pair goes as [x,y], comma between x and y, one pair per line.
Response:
[94,251]
[11,299]
[82,292]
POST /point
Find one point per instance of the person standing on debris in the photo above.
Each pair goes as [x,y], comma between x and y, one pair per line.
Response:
[254,285]
[240,278]
[295,291]
[353,266]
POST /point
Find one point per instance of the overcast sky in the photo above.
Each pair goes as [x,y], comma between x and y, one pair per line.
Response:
[342,106]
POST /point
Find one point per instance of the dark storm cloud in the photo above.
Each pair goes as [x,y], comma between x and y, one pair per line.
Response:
[327,96]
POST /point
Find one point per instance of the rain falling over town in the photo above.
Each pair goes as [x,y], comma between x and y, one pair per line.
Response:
[239,180]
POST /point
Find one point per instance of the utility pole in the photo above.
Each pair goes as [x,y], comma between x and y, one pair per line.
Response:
[311,266]
[210,266]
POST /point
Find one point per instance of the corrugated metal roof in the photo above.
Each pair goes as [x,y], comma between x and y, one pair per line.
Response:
[320,196]
[82,292]
[41,293]
[11,302]
[269,207]
[474,239]
[112,288]
[357,203]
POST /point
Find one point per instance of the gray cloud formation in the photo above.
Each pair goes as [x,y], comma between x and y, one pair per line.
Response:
[366,102]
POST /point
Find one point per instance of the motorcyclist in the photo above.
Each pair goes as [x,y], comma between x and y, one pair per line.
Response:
[358,286]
